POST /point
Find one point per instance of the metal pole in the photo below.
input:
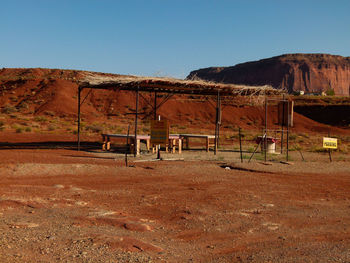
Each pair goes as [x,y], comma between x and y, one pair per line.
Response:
[240,144]
[329,149]
[155,106]
[127,147]
[288,121]
[255,150]
[136,116]
[217,123]
[265,141]
[79,90]
[282,123]
[219,119]
[158,146]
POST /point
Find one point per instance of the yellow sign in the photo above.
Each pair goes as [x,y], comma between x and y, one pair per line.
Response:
[159,132]
[330,143]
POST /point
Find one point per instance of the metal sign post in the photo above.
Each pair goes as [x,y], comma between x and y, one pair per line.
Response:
[330,143]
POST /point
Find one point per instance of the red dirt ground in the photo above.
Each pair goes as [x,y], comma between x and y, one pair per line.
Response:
[68,206]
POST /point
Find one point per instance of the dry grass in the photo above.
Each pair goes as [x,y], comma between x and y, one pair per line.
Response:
[171,85]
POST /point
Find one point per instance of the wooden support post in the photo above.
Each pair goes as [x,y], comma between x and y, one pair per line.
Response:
[79,98]
[108,147]
[104,142]
[148,144]
[136,116]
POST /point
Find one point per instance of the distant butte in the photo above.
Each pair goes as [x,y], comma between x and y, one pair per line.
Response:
[311,73]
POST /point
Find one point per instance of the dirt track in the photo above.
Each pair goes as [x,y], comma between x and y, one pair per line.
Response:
[64,206]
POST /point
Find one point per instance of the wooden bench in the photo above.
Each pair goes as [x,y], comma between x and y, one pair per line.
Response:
[106,139]
[208,138]
[174,140]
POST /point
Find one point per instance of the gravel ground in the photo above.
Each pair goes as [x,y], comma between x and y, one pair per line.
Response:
[64,206]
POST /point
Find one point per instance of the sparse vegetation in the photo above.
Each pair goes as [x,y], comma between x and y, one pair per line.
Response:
[19,130]
[330,92]
[2,126]
[51,127]
[40,118]
[8,109]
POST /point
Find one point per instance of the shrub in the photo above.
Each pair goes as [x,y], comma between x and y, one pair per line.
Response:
[318,149]
[330,92]
[51,127]
[40,118]
[49,113]
[292,137]
[8,109]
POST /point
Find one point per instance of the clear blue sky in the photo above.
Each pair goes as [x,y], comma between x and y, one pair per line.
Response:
[166,38]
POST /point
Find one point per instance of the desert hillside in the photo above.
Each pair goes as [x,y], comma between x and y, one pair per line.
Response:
[28,94]
[312,73]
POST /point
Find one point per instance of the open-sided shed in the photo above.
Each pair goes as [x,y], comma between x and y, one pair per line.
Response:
[169,86]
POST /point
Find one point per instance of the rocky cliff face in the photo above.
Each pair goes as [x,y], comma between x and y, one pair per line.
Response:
[312,73]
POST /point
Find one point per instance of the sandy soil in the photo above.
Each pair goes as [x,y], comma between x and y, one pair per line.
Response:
[68,206]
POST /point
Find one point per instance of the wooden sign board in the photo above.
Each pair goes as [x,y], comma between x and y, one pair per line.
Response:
[285,114]
[330,143]
[159,132]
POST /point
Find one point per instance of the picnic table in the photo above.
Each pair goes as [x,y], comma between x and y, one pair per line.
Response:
[174,140]
[208,138]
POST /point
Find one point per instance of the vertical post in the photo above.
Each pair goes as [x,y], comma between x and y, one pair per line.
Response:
[136,116]
[79,90]
[329,149]
[282,123]
[240,144]
[127,147]
[217,123]
[219,117]
[158,146]
[155,106]
[288,121]
[265,139]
